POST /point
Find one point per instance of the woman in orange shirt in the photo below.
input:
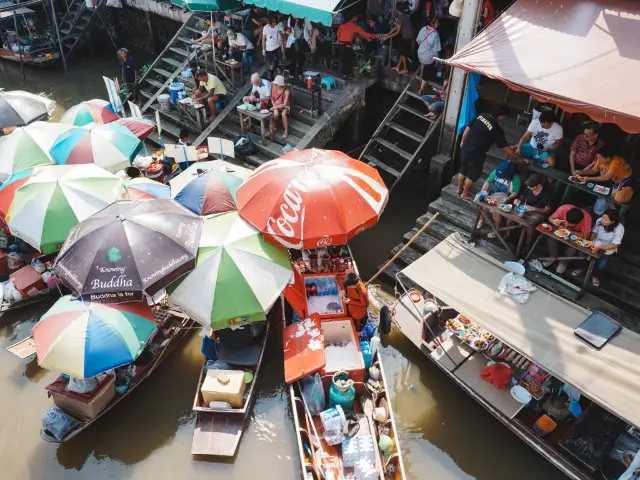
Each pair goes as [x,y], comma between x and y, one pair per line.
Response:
[357,299]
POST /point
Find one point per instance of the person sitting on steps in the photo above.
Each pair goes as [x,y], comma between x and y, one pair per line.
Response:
[212,90]
[281,99]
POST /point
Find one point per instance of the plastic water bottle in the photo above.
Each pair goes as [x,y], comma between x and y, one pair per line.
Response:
[367,354]
[374,343]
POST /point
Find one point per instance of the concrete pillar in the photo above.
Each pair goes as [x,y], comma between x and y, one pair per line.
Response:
[458,80]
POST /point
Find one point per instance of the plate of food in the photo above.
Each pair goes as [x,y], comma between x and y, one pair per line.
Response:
[479,344]
[536,390]
[573,238]
[545,227]
[583,242]
[520,394]
[505,207]
[264,111]
[562,233]
[577,179]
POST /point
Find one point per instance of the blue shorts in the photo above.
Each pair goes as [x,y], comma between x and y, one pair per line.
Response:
[435,106]
[529,151]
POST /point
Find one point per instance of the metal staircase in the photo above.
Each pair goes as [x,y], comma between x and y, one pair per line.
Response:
[75,23]
[399,139]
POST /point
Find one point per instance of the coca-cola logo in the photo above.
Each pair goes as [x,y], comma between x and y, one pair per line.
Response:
[360,229]
[325,241]
[288,222]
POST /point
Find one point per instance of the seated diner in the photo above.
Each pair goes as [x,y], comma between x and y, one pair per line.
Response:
[574,219]
[538,199]
[504,182]
[240,48]
[212,90]
[607,169]
[541,140]
[281,101]
[260,92]
[584,147]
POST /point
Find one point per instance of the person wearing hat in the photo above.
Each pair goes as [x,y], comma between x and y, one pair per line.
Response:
[505,181]
[281,99]
[240,48]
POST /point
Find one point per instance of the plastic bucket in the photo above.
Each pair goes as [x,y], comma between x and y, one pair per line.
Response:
[164,101]
[333,419]
[175,89]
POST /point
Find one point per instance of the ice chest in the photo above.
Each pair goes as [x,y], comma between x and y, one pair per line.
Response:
[213,390]
[27,281]
[86,407]
[341,331]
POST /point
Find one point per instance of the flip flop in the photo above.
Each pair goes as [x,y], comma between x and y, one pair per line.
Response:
[595,282]
[577,273]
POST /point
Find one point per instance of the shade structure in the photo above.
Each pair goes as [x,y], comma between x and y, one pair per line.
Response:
[19,108]
[111,147]
[91,111]
[129,249]
[198,168]
[237,274]
[140,127]
[55,199]
[207,5]
[9,187]
[84,339]
[314,10]
[210,192]
[312,198]
[28,147]
[144,189]
[589,60]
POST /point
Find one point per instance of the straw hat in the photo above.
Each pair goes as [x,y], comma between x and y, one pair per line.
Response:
[279,80]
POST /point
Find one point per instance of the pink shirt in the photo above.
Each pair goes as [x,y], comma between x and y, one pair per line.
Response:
[584,226]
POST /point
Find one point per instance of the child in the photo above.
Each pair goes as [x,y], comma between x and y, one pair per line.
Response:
[184,138]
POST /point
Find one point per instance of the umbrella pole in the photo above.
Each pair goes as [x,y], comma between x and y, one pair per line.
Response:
[213,48]
[57,33]
[15,24]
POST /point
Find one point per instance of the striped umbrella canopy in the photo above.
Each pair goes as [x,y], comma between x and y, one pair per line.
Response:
[19,108]
[237,274]
[8,189]
[208,192]
[28,147]
[55,199]
[96,110]
[140,127]
[142,188]
[111,147]
[207,5]
[84,339]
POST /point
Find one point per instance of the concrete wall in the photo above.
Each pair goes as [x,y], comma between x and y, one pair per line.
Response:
[162,9]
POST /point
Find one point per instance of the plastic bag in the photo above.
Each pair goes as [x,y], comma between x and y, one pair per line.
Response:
[58,423]
[82,385]
[38,266]
[243,145]
[217,365]
[14,261]
[313,393]
[11,293]
[516,287]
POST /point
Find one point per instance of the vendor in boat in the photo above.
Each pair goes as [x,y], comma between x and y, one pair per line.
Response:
[209,346]
[356,299]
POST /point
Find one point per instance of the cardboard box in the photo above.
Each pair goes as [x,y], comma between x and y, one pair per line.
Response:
[343,330]
[27,281]
[90,407]
[213,390]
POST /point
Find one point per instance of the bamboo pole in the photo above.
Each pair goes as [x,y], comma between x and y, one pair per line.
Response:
[413,239]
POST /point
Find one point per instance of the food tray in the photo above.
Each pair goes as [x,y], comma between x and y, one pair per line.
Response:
[536,390]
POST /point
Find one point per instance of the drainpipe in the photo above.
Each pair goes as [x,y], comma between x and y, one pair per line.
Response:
[458,79]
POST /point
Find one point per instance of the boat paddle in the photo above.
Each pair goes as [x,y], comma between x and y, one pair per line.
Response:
[367,406]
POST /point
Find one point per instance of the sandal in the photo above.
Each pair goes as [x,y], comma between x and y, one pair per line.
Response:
[491,235]
[595,282]
[577,273]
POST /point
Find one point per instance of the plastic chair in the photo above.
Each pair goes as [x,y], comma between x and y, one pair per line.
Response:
[328,82]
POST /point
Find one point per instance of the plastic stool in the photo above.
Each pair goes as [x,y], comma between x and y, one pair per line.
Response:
[328,82]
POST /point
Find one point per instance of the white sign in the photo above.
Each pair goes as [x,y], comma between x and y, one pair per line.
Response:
[221,147]
[158,123]
[181,153]
[113,91]
[135,110]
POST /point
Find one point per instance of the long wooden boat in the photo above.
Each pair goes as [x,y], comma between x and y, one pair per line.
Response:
[25,302]
[177,327]
[218,431]
[308,428]
[28,58]
[597,443]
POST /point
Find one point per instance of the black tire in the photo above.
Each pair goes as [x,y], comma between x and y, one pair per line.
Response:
[385,320]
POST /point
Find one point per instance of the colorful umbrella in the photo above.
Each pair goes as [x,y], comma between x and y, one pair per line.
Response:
[140,127]
[84,339]
[19,108]
[28,147]
[8,190]
[98,111]
[128,249]
[211,191]
[312,198]
[55,199]
[111,147]
[142,188]
[237,274]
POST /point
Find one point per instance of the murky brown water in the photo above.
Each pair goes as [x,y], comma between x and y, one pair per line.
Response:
[444,433]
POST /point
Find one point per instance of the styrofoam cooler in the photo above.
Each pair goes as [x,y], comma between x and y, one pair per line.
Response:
[164,101]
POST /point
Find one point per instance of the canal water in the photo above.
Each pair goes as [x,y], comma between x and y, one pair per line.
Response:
[444,433]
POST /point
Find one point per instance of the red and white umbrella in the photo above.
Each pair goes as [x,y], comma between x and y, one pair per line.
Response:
[312,198]
[140,127]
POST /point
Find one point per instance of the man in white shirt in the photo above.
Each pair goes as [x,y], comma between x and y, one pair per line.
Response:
[542,139]
[272,45]
[240,48]
[260,92]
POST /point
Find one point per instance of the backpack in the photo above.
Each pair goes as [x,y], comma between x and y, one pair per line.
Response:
[243,145]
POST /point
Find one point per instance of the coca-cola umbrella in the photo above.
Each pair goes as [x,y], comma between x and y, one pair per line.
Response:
[129,249]
[312,198]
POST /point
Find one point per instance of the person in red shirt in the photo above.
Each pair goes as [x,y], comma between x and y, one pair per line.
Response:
[574,219]
[488,13]
[346,36]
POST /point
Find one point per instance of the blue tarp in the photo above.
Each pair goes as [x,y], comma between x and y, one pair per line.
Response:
[468,111]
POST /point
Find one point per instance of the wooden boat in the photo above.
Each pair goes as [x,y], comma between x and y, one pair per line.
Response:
[309,427]
[49,293]
[29,59]
[544,333]
[218,431]
[176,327]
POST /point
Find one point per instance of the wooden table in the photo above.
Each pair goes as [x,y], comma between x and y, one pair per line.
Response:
[563,177]
[231,68]
[591,255]
[193,111]
[521,223]
[247,115]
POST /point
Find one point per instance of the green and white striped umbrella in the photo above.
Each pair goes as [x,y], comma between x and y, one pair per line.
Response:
[237,274]
[55,199]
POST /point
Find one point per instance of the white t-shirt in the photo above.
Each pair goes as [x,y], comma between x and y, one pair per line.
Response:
[241,40]
[546,136]
[263,90]
[272,38]
[217,30]
[603,237]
